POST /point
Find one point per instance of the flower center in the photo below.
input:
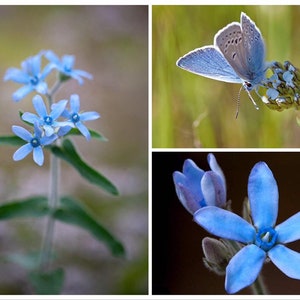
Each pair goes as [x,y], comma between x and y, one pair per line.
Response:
[75,118]
[266,238]
[34,80]
[48,120]
[35,142]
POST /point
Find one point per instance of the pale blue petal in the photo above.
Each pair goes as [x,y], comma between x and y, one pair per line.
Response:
[64,130]
[22,92]
[216,168]
[49,130]
[213,189]
[75,103]
[47,140]
[83,74]
[48,68]
[17,76]
[286,260]
[225,224]
[83,130]
[38,155]
[244,268]
[58,109]
[263,196]
[30,117]
[41,87]
[22,133]
[289,230]
[22,152]
[68,62]
[75,76]
[89,116]
[51,56]
[39,106]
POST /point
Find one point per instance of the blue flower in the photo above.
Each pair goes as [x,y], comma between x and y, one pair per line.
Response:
[45,120]
[30,75]
[196,188]
[262,239]
[35,142]
[66,66]
[76,118]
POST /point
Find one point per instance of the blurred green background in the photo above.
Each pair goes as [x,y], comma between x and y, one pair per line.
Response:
[110,42]
[193,111]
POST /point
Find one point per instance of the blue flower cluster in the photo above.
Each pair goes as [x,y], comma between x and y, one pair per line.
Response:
[48,125]
[261,238]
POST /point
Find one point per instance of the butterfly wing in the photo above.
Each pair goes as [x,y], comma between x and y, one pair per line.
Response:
[254,46]
[208,62]
[243,48]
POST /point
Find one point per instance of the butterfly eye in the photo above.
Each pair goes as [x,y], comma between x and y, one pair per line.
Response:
[248,85]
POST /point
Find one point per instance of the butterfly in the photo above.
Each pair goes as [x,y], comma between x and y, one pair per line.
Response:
[237,56]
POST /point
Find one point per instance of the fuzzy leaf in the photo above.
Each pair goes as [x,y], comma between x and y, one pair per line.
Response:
[94,134]
[11,140]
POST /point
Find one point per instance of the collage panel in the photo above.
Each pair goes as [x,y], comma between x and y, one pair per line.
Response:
[225,223]
[74,151]
[225,76]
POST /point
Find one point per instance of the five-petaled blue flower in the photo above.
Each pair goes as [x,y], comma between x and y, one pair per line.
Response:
[66,66]
[196,188]
[30,75]
[263,239]
[76,118]
[35,142]
[45,120]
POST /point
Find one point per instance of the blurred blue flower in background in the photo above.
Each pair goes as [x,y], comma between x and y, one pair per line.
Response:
[66,66]
[35,143]
[30,75]
[263,239]
[196,188]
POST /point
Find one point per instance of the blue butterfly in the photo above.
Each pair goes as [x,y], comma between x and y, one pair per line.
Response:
[237,56]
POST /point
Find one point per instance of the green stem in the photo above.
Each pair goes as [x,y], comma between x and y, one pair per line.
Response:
[53,199]
[258,287]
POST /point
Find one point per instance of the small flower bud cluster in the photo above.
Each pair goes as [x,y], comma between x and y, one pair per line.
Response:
[283,87]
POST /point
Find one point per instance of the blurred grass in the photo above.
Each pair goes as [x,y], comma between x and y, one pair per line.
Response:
[193,111]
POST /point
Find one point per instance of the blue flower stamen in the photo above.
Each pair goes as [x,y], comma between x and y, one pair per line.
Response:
[266,238]
[75,118]
[48,120]
[35,142]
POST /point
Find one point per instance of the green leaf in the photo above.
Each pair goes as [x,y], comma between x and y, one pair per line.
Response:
[47,283]
[30,207]
[94,134]
[11,140]
[73,213]
[68,153]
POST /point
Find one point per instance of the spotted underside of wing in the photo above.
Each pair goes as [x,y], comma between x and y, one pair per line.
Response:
[208,62]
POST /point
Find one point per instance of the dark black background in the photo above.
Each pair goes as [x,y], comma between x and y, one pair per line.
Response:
[177,266]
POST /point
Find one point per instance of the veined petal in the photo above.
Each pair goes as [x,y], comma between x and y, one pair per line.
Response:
[216,168]
[213,189]
[22,152]
[35,64]
[38,155]
[286,260]
[22,133]
[89,116]
[22,92]
[263,196]
[225,224]
[289,230]
[68,62]
[47,140]
[244,268]
[74,103]
[39,106]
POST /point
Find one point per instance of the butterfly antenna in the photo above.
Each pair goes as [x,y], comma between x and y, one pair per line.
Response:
[256,106]
[238,103]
